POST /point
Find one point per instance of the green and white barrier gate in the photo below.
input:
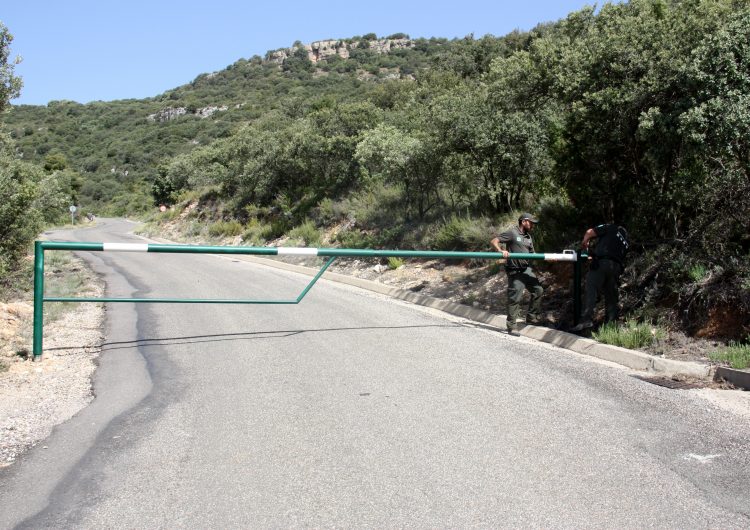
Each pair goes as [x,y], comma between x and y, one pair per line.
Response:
[332,253]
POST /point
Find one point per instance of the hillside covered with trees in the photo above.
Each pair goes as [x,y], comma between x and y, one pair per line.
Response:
[638,113]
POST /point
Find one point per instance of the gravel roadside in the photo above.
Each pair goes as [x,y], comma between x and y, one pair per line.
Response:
[37,396]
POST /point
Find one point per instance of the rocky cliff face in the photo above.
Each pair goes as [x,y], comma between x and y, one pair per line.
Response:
[170,113]
[316,51]
[320,50]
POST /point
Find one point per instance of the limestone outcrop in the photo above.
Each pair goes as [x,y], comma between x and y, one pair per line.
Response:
[323,49]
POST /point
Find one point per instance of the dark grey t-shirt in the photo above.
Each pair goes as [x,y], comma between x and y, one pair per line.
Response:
[516,242]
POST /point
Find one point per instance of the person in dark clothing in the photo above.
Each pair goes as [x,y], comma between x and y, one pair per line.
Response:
[607,262]
[518,240]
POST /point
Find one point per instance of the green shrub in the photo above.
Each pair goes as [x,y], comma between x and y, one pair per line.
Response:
[20,220]
[632,335]
[188,196]
[257,233]
[194,229]
[225,229]
[277,228]
[307,232]
[378,205]
[329,211]
[698,272]
[736,354]
[259,213]
[394,263]
[386,238]
[17,282]
[463,234]
[355,239]
[129,202]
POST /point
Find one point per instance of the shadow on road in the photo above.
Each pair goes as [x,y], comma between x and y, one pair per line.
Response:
[248,335]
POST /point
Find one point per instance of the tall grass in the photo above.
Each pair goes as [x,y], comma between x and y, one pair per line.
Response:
[65,277]
[394,262]
[736,354]
[698,272]
[632,335]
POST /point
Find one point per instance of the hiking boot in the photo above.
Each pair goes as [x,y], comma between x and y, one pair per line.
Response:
[586,324]
[535,321]
[514,333]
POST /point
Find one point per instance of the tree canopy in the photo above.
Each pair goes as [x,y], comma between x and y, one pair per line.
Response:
[638,113]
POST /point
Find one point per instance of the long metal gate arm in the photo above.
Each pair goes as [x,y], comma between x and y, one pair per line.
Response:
[332,253]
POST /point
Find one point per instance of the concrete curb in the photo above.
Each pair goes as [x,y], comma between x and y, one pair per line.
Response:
[739,378]
[622,356]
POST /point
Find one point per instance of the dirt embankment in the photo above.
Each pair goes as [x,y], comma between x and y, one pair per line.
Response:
[36,396]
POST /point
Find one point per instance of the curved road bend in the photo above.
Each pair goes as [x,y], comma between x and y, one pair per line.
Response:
[354,410]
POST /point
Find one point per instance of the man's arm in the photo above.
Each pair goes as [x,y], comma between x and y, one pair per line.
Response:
[498,240]
[587,237]
[496,244]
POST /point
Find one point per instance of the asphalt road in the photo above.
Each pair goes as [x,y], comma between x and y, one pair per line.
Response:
[354,410]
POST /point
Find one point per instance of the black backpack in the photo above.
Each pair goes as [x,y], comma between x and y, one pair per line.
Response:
[621,244]
[613,244]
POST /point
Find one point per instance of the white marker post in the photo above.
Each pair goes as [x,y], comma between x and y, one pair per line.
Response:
[72,214]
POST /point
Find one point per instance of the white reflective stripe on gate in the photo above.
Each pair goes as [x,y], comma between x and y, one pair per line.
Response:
[126,247]
[565,256]
[298,251]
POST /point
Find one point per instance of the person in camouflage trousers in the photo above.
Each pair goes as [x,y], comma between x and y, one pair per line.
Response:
[520,274]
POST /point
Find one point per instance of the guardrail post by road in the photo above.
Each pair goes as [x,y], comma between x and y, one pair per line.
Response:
[331,253]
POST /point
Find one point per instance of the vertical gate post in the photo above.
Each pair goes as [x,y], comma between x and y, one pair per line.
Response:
[38,299]
[577,288]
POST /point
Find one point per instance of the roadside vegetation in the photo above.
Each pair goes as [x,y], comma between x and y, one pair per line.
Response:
[638,113]
[632,335]
[65,276]
[737,355]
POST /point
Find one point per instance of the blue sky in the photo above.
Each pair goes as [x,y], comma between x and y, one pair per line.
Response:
[85,50]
